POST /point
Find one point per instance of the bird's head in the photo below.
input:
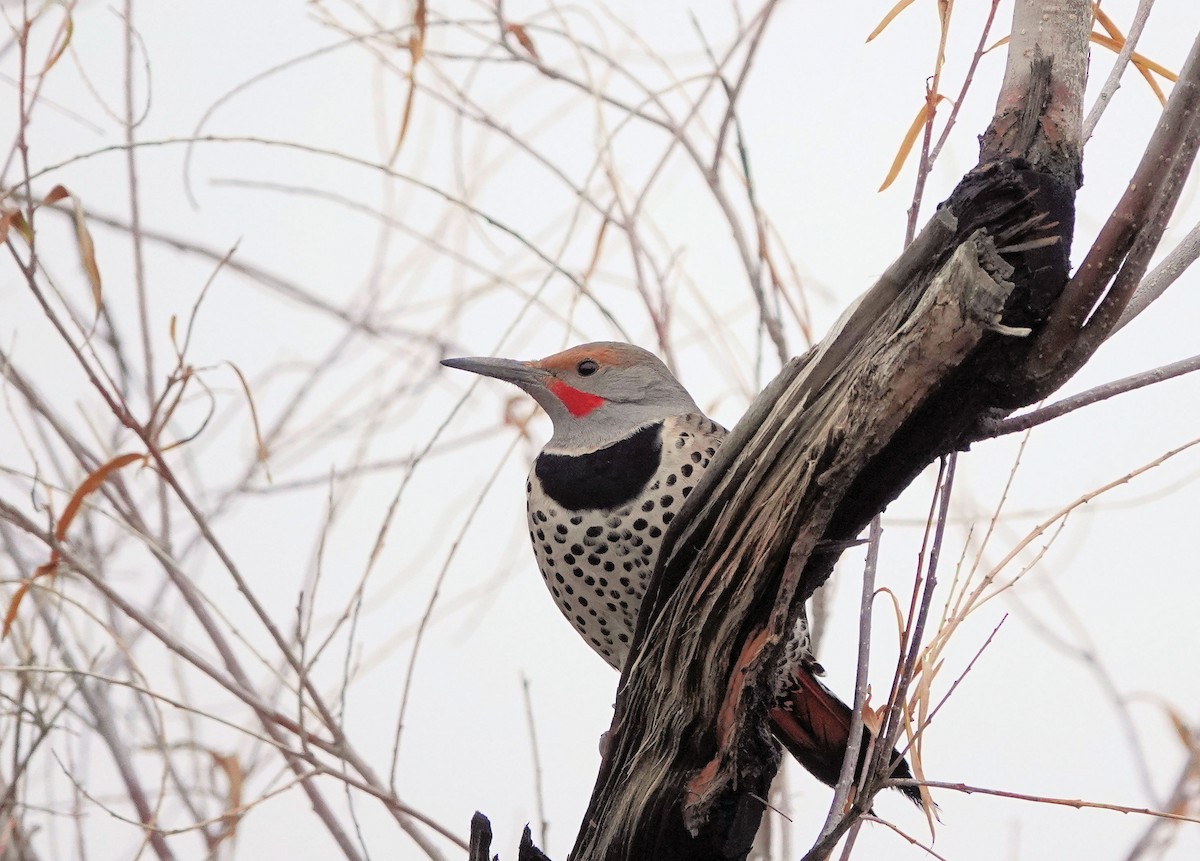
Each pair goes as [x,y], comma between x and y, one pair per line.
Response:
[595,393]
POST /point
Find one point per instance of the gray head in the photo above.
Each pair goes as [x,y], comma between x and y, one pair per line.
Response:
[595,393]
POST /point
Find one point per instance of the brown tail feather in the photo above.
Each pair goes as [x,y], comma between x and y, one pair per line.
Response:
[814,725]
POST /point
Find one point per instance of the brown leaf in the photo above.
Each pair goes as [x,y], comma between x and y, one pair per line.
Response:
[96,478]
[416,45]
[235,777]
[10,218]
[518,32]
[1144,65]
[910,137]
[87,253]
[55,195]
[416,49]
[900,6]
[63,40]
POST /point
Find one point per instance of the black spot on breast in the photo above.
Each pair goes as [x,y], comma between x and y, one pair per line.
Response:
[605,478]
[697,457]
[576,520]
[595,531]
[686,470]
[640,524]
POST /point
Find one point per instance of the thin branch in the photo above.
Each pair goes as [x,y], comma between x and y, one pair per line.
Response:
[1083,399]
[1113,82]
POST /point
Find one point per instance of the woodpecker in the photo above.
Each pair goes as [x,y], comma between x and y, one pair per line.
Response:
[628,447]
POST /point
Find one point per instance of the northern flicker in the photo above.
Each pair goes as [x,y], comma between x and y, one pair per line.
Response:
[629,445]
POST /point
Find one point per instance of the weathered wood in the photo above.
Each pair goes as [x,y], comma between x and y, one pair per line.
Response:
[769,508]
[906,375]
[480,847]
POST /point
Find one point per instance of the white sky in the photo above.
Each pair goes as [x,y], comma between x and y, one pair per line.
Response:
[822,114]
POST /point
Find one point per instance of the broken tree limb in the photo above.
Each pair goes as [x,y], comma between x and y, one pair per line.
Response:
[907,373]
[684,782]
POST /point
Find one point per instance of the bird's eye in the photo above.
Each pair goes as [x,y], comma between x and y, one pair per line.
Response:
[587,367]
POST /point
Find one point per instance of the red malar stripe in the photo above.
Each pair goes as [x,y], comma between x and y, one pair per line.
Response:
[579,403]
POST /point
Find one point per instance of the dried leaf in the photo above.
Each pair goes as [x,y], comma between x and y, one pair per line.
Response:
[11,218]
[55,195]
[910,137]
[518,32]
[96,478]
[900,6]
[235,777]
[1144,65]
[60,48]
[1182,729]
[87,253]
[416,45]
[416,48]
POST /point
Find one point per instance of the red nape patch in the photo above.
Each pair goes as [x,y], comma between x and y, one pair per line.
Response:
[579,403]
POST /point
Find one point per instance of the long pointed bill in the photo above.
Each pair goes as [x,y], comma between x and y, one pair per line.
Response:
[511,371]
